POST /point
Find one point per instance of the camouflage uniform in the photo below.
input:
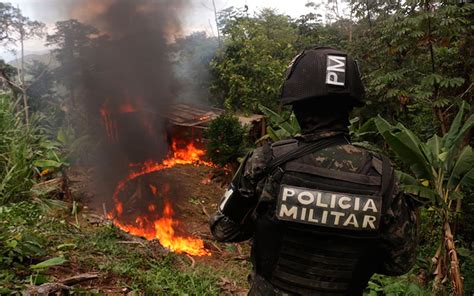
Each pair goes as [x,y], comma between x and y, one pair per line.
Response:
[398,227]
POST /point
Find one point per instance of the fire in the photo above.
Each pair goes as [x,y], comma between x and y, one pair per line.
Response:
[161,227]
[109,120]
[127,108]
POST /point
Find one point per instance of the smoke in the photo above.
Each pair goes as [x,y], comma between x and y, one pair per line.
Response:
[127,82]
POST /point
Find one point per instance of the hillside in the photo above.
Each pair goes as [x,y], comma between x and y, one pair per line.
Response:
[45,58]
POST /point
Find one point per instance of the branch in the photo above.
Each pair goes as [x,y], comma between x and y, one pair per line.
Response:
[13,86]
[467,90]
[79,278]
[61,286]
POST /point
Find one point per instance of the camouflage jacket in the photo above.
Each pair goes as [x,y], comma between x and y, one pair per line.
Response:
[399,234]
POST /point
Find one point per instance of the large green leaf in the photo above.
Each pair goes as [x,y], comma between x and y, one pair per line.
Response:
[468,180]
[288,126]
[465,128]
[454,148]
[272,134]
[435,147]
[48,263]
[421,191]
[406,145]
[47,163]
[454,131]
[405,178]
[464,163]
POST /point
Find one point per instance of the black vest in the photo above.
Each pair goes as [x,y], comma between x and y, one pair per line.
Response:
[299,254]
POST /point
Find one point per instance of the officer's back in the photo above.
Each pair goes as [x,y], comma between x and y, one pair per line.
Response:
[324,214]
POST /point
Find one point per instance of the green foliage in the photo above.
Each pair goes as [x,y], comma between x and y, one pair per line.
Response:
[48,263]
[19,241]
[442,168]
[32,242]
[413,57]
[250,69]
[279,127]
[40,88]
[226,139]
[16,151]
[467,269]
[146,273]
[442,161]
[390,286]
[24,152]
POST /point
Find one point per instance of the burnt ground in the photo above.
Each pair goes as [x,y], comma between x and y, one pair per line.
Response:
[198,198]
[202,192]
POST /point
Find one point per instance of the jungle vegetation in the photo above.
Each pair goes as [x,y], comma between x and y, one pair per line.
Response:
[416,59]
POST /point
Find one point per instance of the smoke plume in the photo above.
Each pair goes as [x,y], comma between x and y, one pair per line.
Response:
[127,81]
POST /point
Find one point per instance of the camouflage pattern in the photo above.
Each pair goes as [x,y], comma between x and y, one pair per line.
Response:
[399,225]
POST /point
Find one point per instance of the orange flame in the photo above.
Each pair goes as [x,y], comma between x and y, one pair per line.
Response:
[162,228]
[127,108]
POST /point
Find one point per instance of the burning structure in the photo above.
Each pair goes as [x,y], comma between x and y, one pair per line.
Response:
[190,122]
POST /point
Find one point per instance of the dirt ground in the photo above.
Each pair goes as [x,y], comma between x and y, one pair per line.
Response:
[199,192]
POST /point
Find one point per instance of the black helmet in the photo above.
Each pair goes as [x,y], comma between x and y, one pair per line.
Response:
[322,72]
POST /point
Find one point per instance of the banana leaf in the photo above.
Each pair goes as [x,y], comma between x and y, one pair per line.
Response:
[456,131]
[464,164]
[406,145]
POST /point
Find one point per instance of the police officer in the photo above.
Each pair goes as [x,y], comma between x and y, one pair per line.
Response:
[324,215]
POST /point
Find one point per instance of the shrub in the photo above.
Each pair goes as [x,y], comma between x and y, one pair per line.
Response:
[15,151]
[226,139]
[24,152]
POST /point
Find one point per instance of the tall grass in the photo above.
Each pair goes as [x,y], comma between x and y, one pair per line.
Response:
[17,151]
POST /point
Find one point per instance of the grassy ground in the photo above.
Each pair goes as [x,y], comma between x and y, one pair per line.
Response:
[125,267]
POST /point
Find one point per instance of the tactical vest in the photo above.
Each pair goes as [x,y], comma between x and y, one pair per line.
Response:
[298,246]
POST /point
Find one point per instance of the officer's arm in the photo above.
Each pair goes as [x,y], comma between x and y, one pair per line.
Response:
[226,230]
[231,222]
[400,235]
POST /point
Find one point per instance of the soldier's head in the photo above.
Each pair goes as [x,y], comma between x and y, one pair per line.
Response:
[322,83]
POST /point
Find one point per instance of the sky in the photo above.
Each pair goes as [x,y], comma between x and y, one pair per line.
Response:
[200,16]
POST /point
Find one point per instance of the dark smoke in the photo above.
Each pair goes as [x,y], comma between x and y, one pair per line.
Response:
[127,82]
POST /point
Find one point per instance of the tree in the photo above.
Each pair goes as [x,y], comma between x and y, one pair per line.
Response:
[8,14]
[16,28]
[72,39]
[193,54]
[7,75]
[41,84]
[226,140]
[415,58]
[250,69]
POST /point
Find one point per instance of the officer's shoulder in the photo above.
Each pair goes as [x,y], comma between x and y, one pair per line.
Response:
[281,147]
[259,158]
[359,149]
[284,143]
[359,155]
[377,159]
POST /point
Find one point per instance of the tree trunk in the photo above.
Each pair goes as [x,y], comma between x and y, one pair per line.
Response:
[217,24]
[442,120]
[22,79]
[455,273]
